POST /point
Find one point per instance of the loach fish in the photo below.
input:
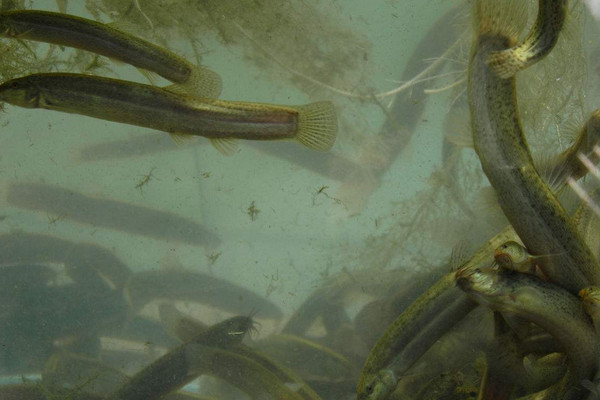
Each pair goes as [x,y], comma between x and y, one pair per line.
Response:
[228,335]
[528,203]
[576,161]
[176,368]
[434,313]
[146,286]
[111,214]
[514,256]
[281,372]
[536,45]
[187,329]
[85,34]
[36,391]
[88,264]
[91,377]
[314,125]
[251,376]
[548,306]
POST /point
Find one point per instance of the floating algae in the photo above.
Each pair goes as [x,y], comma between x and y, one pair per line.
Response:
[550,96]
[303,43]
[305,36]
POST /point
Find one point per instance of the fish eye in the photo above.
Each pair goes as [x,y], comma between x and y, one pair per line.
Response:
[15,85]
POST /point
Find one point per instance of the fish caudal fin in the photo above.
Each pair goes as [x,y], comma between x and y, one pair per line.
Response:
[202,82]
[507,63]
[317,125]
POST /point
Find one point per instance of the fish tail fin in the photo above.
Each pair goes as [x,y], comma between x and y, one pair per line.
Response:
[590,201]
[506,63]
[507,18]
[579,159]
[152,77]
[317,125]
[202,82]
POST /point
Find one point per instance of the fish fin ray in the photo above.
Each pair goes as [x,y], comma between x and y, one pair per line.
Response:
[152,77]
[202,82]
[180,138]
[317,125]
[225,146]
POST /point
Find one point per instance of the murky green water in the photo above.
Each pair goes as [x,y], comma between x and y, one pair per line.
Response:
[274,220]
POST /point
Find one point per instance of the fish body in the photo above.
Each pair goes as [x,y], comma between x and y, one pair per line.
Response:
[85,34]
[537,44]
[314,124]
[529,204]
[434,312]
[552,308]
[146,286]
[514,256]
[379,378]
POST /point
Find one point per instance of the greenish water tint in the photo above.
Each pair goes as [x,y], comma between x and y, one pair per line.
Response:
[120,217]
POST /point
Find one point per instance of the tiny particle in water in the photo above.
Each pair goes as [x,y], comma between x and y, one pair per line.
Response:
[253,211]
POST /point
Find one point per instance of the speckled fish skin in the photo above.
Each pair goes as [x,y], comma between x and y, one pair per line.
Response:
[537,44]
[536,215]
[552,308]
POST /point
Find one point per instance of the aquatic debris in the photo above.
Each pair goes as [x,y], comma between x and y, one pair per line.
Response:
[252,211]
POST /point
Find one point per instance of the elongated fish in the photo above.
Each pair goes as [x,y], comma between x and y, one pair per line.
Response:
[550,307]
[433,314]
[313,125]
[514,256]
[197,287]
[87,264]
[85,34]
[112,214]
[187,329]
[178,367]
[91,377]
[530,206]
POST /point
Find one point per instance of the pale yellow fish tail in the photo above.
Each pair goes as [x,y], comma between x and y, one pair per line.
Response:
[202,82]
[317,125]
[508,62]
[537,44]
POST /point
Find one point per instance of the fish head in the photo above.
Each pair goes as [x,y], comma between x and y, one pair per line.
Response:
[379,386]
[481,284]
[20,92]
